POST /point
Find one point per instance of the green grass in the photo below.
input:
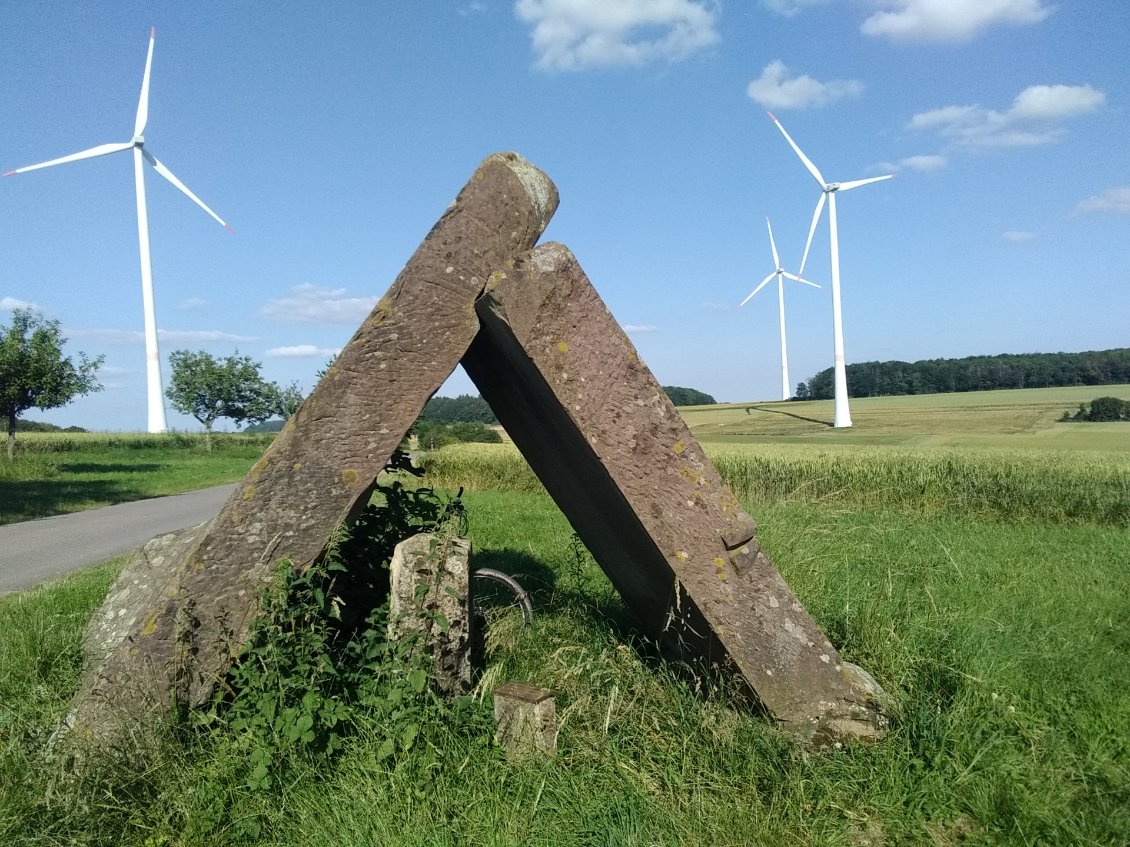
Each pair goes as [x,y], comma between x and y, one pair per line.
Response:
[967,549]
[54,474]
[1004,644]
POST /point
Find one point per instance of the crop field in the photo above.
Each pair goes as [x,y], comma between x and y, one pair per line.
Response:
[975,560]
[1022,418]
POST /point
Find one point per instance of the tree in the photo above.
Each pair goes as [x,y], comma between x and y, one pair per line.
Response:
[687,396]
[289,399]
[209,388]
[35,373]
[465,408]
[1104,409]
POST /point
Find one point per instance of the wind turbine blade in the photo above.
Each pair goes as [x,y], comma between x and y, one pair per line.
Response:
[847,186]
[812,169]
[773,245]
[167,174]
[764,283]
[812,231]
[799,279]
[143,102]
[100,150]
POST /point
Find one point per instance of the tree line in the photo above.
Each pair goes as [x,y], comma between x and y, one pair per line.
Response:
[687,396]
[468,408]
[974,373]
[35,373]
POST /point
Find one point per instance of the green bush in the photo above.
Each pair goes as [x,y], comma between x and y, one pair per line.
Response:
[435,434]
[1101,409]
[318,661]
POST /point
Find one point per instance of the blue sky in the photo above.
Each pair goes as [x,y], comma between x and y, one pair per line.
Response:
[331,136]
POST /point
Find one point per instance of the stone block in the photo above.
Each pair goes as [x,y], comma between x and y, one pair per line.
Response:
[145,590]
[525,719]
[430,600]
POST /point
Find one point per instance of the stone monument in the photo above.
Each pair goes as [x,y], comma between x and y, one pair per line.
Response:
[591,420]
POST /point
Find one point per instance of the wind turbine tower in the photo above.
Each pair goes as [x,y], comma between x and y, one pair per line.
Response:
[780,273]
[141,155]
[828,191]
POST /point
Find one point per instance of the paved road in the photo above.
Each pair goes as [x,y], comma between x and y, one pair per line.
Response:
[34,551]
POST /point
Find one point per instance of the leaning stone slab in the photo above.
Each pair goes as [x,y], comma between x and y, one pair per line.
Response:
[430,598]
[613,452]
[323,464]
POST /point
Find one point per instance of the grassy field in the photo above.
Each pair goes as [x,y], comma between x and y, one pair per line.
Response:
[1018,419]
[1004,645]
[982,574]
[57,473]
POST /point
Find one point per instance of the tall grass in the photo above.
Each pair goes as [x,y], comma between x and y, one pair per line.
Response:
[1058,487]
[1007,485]
[75,442]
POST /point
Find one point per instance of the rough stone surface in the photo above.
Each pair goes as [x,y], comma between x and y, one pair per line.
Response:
[525,719]
[322,465]
[613,452]
[431,578]
[145,590]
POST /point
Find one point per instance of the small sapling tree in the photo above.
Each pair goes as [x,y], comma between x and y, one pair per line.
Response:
[209,388]
[35,373]
[289,399]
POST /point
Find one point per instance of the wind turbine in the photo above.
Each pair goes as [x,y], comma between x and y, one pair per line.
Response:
[780,273]
[140,154]
[828,192]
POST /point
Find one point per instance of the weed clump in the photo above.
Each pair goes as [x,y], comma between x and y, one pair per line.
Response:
[318,663]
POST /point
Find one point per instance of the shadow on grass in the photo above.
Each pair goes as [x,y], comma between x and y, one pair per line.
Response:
[22,500]
[791,415]
[112,467]
[586,595]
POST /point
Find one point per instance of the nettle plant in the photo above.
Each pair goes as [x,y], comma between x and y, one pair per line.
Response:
[318,662]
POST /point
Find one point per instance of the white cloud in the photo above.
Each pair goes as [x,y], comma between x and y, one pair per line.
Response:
[1055,102]
[311,304]
[9,303]
[1018,236]
[1034,117]
[954,21]
[634,328]
[201,335]
[777,89]
[570,35]
[924,164]
[789,8]
[921,164]
[1114,201]
[473,8]
[130,336]
[302,351]
[192,303]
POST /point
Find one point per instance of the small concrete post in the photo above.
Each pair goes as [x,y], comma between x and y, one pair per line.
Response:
[525,718]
